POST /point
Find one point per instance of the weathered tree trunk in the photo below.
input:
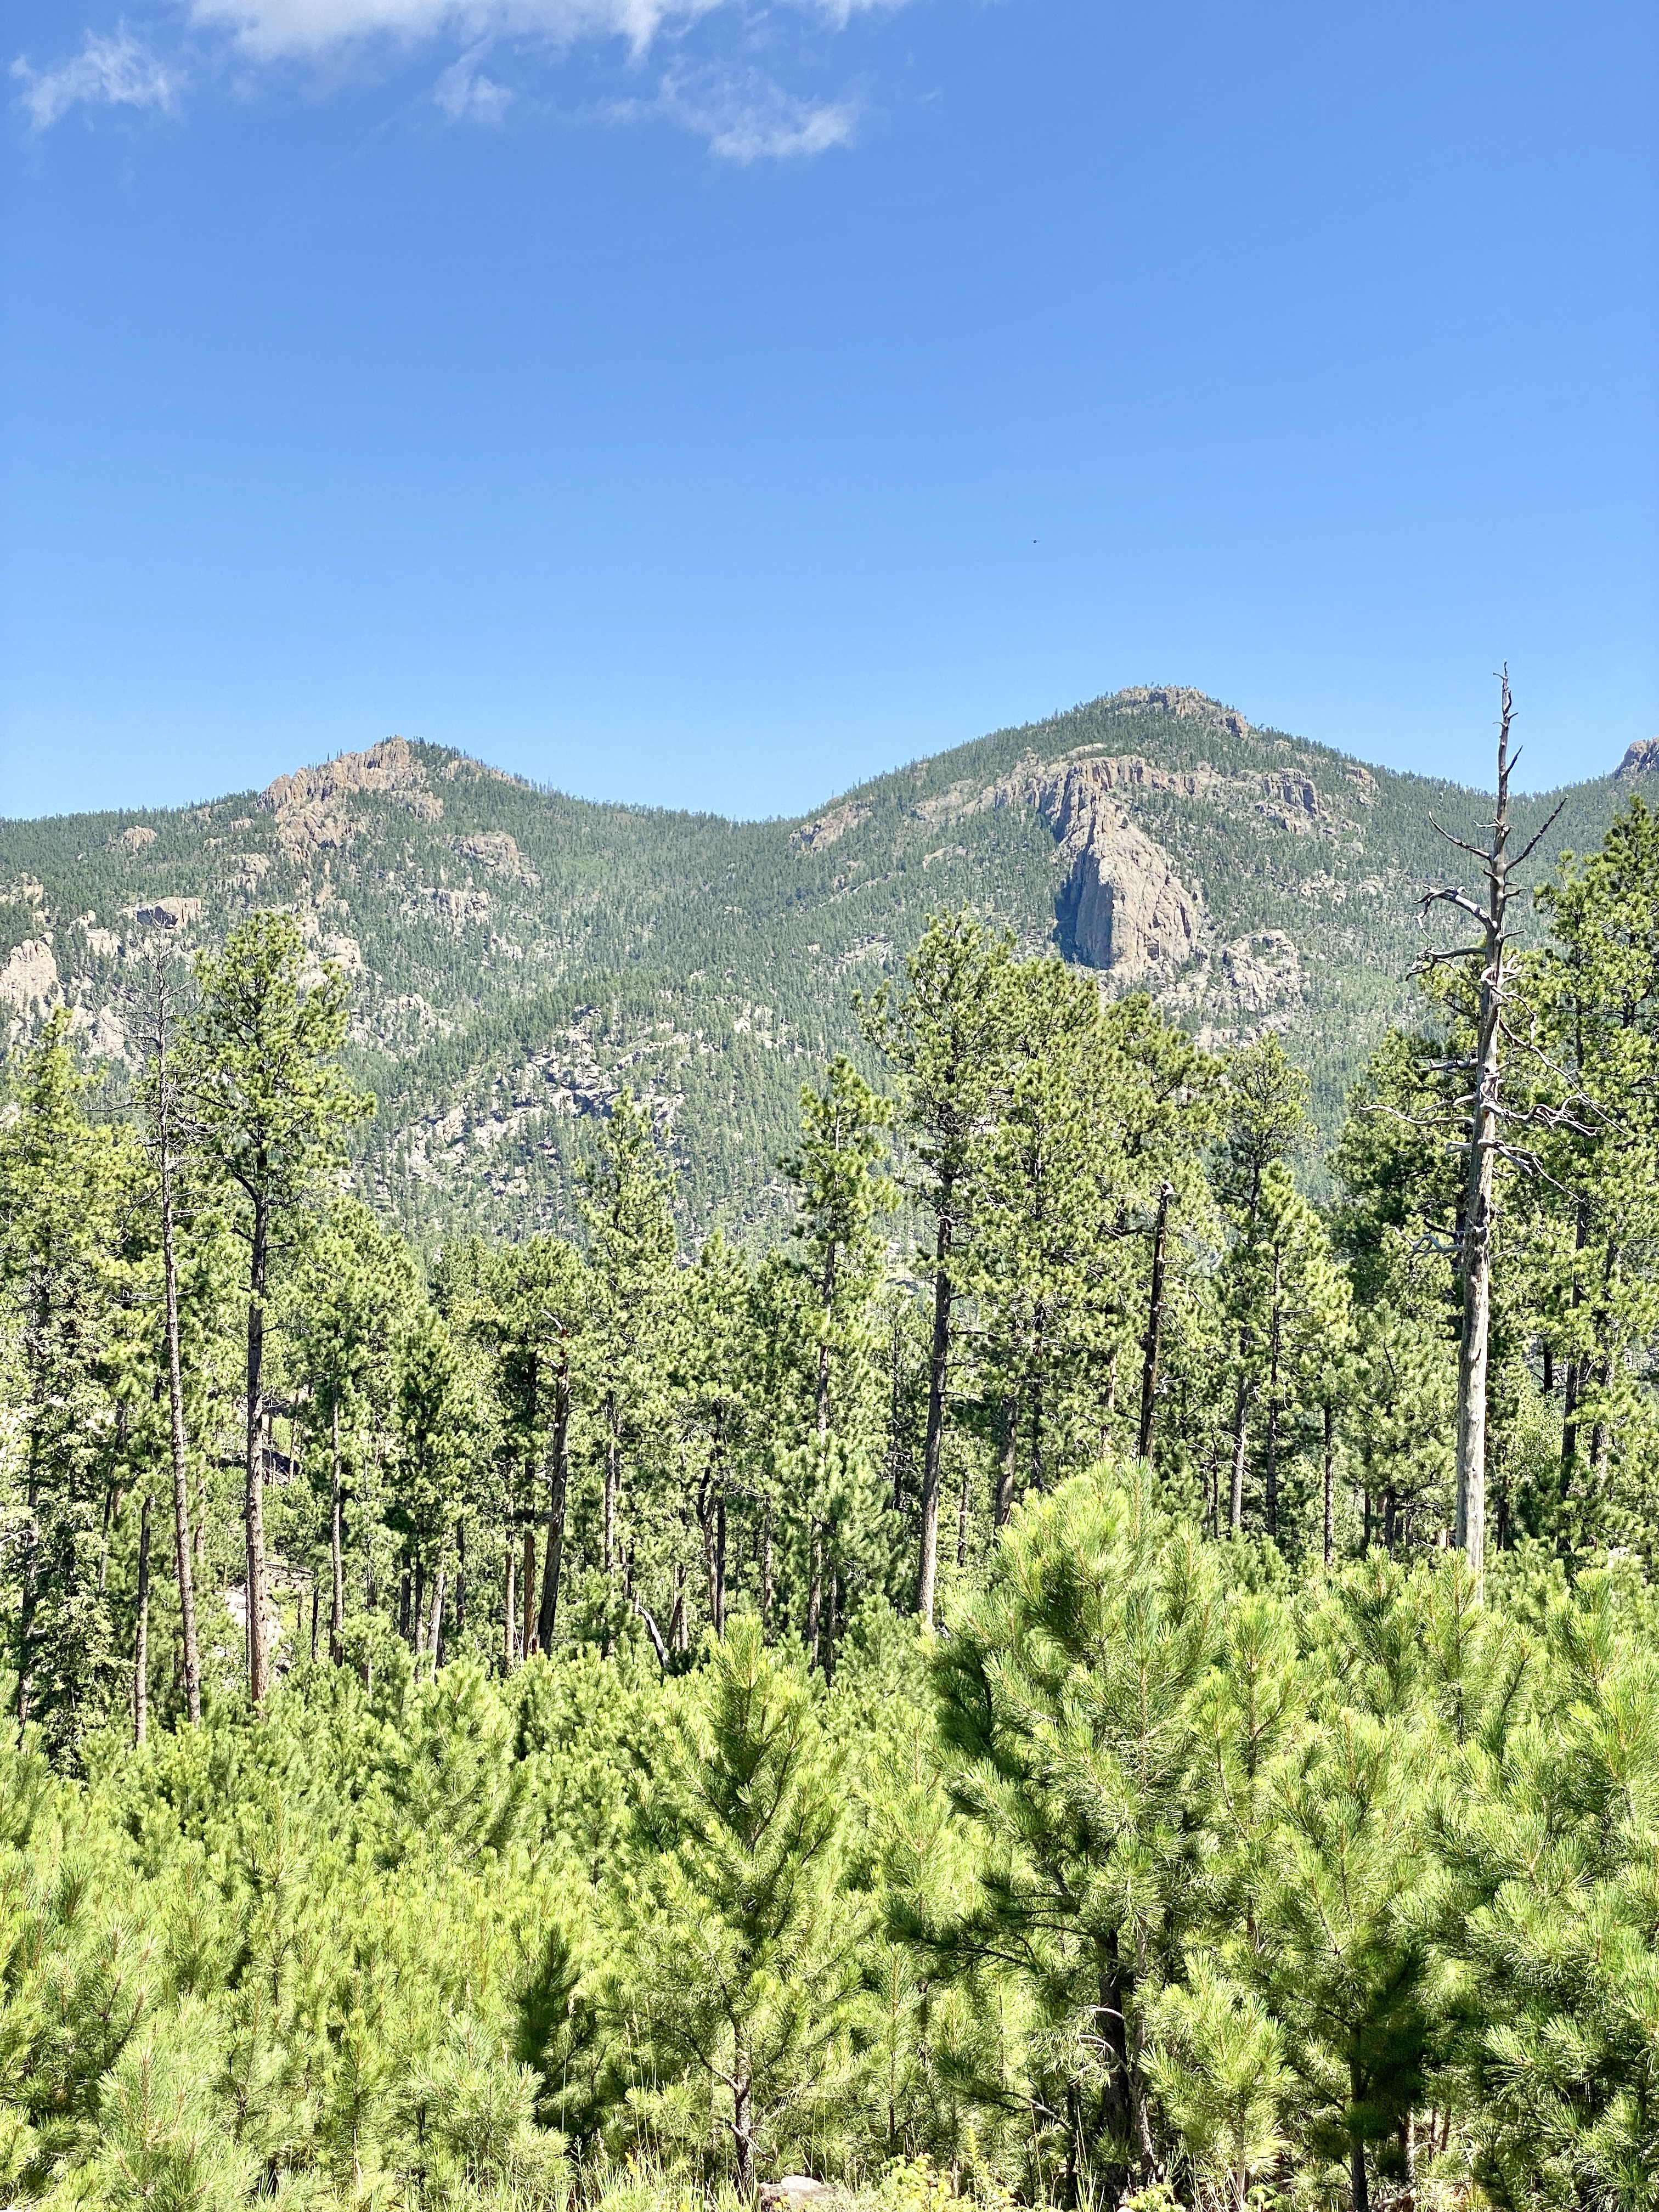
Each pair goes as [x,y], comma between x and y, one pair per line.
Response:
[510,1610]
[335,1546]
[1241,1432]
[768,1580]
[258,1657]
[558,1475]
[1330,1496]
[815,1594]
[1151,1343]
[438,1618]
[743,2137]
[938,1363]
[460,1580]
[141,1641]
[418,1607]
[1008,1460]
[1479,1168]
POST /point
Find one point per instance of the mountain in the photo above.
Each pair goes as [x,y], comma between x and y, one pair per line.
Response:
[518,955]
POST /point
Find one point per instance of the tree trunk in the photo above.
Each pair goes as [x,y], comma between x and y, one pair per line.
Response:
[1571,1389]
[719,1609]
[742,2127]
[767,1578]
[1008,1460]
[1360,2189]
[961,1518]
[1272,1403]
[1152,1342]
[529,1578]
[1240,1430]
[612,1483]
[815,1594]
[509,1611]
[460,1580]
[1480,1168]
[180,1455]
[939,1361]
[258,1658]
[558,1471]
[438,1619]
[336,1548]
[141,1641]
[418,1609]
[1330,1498]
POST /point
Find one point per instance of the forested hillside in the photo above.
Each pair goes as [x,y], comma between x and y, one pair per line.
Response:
[1071,1671]
[517,958]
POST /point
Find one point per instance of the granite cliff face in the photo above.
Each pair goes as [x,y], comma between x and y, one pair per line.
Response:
[1122,905]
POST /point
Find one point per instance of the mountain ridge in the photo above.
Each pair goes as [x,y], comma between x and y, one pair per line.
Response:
[518,954]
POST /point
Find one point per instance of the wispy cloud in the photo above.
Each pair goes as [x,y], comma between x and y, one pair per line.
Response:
[113,71]
[746,118]
[467,96]
[270,29]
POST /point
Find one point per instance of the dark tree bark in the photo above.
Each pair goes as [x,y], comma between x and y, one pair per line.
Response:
[258,1657]
[1152,1343]
[558,1474]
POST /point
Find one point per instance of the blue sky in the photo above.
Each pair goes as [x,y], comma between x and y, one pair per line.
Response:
[714,404]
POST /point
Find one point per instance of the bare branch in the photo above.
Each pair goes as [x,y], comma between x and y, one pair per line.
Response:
[1521,859]
[1476,852]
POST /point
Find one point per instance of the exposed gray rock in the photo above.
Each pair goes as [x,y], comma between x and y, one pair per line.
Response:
[29,976]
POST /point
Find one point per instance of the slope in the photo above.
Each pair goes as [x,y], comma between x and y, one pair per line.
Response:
[518,954]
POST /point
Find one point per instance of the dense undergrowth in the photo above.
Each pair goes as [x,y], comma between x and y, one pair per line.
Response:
[1156,1874]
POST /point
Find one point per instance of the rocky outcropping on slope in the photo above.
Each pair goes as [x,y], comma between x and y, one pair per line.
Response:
[28,977]
[310,806]
[1123,906]
[1641,758]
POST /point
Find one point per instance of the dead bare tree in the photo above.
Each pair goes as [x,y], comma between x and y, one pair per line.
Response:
[1484,1118]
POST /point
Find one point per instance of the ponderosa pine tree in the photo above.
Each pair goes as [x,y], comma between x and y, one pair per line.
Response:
[1068,1713]
[740,1941]
[942,1037]
[274,1108]
[65,1183]
[627,1350]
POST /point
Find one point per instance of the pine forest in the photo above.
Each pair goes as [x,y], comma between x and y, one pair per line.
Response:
[1024,1577]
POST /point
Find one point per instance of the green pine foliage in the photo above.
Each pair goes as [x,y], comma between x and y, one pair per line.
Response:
[963,1689]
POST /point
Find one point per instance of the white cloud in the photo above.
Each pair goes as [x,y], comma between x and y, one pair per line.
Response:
[109,72]
[466,95]
[268,29]
[749,119]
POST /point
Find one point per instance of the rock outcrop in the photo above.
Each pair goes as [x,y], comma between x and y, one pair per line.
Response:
[1123,906]
[813,836]
[494,850]
[1641,758]
[133,838]
[168,914]
[28,977]
[310,806]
